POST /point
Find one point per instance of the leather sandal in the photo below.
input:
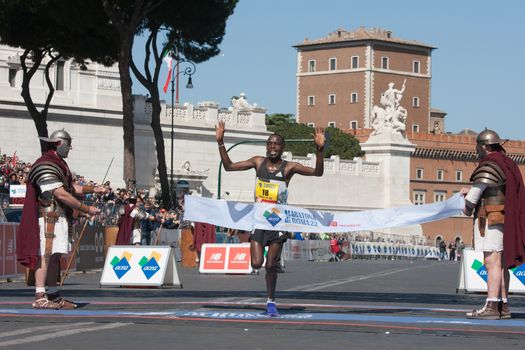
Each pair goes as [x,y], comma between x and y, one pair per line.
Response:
[488,312]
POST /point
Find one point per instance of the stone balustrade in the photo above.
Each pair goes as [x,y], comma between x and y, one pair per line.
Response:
[335,165]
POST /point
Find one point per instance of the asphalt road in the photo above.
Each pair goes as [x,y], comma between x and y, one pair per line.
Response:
[356,303]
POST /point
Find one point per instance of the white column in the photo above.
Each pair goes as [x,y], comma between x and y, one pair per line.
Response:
[393,152]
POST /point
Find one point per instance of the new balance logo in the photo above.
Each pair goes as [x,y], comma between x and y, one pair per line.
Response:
[216,256]
[240,257]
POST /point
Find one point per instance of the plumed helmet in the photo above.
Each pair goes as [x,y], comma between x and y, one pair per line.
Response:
[488,137]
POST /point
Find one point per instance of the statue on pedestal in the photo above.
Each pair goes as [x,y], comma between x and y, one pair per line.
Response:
[241,103]
[391,117]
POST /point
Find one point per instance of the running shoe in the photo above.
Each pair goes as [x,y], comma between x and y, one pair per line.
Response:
[271,309]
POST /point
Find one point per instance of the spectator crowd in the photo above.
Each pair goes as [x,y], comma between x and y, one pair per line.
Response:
[13,171]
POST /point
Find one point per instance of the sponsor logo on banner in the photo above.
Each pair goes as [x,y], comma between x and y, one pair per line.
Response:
[150,266]
[272,216]
[519,272]
[215,258]
[239,258]
[121,265]
[480,269]
[298,217]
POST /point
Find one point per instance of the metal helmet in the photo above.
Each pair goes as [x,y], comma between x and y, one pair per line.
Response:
[488,137]
[65,144]
[63,141]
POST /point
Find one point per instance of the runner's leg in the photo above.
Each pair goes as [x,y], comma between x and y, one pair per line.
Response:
[271,268]
[257,254]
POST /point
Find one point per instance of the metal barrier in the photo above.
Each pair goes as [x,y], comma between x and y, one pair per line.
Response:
[319,250]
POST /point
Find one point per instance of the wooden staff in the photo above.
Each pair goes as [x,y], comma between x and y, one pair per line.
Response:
[77,243]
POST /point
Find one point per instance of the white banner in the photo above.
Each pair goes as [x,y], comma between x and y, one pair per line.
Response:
[140,266]
[277,217]
[17,191]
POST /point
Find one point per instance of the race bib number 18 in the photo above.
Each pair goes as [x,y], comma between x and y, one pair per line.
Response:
[266,191]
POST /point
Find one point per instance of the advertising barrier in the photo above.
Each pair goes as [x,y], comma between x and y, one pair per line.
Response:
[319,250]
[140,266]
[8,264]
[9,267]
[17,194]
[171,238]
[473,274]
[225,258]
[90,253]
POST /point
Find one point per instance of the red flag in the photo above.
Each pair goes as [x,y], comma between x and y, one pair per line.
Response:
[169,61]
[14,160]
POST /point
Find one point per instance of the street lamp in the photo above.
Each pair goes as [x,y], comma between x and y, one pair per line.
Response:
[189,71]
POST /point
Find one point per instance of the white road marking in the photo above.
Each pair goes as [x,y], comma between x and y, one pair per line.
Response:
[39,328]
[328,284]
[64,333]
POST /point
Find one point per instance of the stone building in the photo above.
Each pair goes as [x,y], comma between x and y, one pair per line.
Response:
[342,76]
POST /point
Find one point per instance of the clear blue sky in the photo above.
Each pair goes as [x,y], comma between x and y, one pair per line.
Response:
[477,73]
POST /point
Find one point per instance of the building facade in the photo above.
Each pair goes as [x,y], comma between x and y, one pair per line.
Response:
[342,76]
[440,166]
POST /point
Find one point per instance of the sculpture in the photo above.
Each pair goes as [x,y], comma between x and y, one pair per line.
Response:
[391,117]
[241,103]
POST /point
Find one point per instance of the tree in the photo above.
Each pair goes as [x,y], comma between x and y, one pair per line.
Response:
[194,29]
[49,31]
[127,17]
[338,143]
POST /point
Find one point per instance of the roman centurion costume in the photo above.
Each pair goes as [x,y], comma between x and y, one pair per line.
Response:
[45,223]
[490,210]
[497,199]
[129,222]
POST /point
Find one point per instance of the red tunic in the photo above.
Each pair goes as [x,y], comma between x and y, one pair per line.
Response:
[514,226]
[125,228]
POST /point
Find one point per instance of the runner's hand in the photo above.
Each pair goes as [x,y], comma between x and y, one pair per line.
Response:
[219,131]
[319,138]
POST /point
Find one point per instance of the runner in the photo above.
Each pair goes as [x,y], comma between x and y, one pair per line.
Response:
[273,174]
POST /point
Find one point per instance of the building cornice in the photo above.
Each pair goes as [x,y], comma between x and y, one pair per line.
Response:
[463,155]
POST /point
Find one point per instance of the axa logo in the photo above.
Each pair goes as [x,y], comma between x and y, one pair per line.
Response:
[480,269]
[240,257]
[150,266]
[272,216]
[519,272]
[121,265]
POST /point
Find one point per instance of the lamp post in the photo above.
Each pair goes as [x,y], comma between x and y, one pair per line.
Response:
[189,71]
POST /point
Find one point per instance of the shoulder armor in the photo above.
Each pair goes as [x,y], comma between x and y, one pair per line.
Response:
[45,173]
[489,173]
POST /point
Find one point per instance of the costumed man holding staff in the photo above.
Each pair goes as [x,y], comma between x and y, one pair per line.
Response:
[497,199]
[131,216]
[46,219]
[273,174]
